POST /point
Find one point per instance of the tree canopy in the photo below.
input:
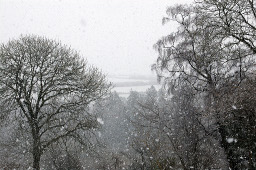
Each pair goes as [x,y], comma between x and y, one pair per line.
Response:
[48,87]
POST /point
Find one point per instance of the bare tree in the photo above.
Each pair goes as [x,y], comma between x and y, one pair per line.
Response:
[213,50]
[196,53]
[235,18]
[48,87]
[170,133]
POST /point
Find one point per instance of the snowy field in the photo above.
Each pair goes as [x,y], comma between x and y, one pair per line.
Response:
[124,84]
[124,91]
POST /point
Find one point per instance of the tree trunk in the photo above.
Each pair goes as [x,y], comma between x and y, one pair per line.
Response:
[36,149]
[36,159]
[224,144]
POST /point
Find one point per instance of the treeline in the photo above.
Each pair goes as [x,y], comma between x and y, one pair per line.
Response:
[207,66]
[156,130]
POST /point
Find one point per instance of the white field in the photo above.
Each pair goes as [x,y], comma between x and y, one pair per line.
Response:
[124,91]
[124,84]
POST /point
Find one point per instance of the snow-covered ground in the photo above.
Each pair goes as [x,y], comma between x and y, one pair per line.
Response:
[124,91]
[124,84]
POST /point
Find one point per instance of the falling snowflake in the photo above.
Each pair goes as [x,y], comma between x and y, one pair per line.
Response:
[100,121]
[231,140]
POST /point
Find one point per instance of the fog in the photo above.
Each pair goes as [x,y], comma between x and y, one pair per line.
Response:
[117,35]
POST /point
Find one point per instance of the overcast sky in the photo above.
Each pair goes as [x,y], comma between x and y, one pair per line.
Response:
[115,35]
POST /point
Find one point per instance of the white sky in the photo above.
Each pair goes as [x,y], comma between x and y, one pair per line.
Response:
[115,35]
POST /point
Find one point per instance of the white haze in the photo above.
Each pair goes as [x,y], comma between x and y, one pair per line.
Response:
[115,35]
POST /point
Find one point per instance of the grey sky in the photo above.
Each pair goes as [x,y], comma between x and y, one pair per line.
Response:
[115,35]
